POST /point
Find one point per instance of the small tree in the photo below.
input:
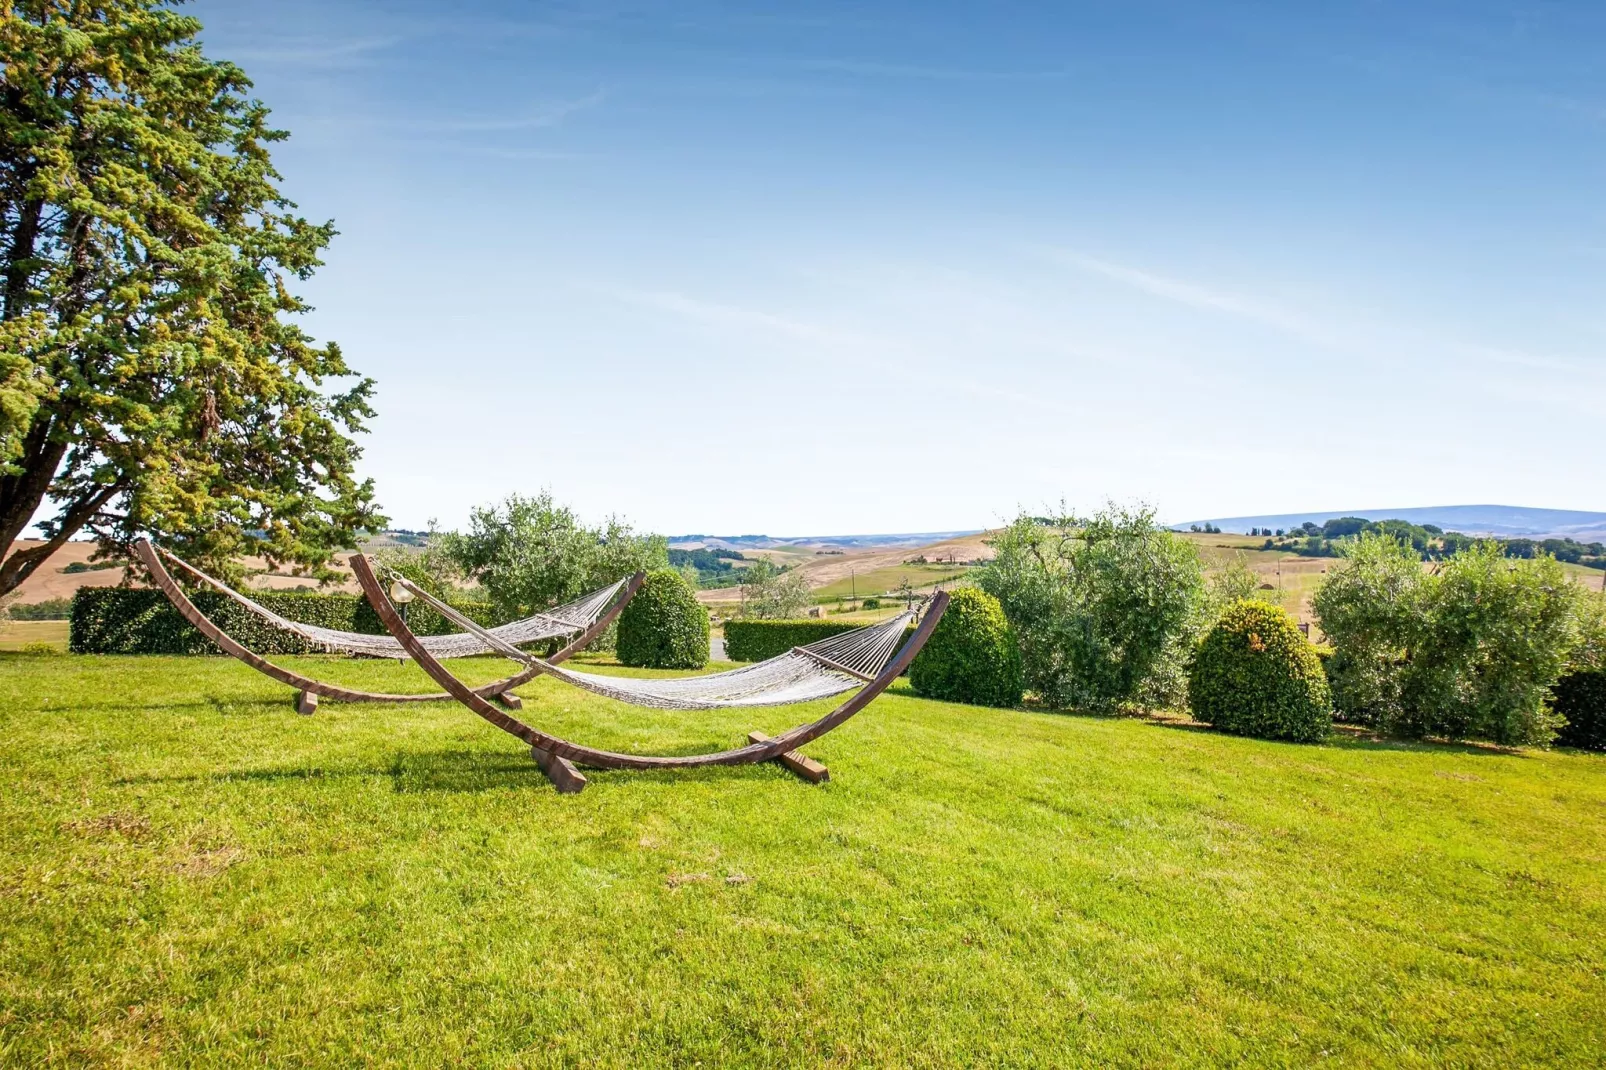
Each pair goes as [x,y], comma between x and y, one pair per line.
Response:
[1498,637]
[1104,606]
[771,593]
[1472,650]
[1371,610]
[664,626]
[531,554]
[429,566]
[1232,582]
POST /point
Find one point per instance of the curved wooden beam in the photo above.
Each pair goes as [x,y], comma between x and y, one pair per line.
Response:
[556,747]
[204,624]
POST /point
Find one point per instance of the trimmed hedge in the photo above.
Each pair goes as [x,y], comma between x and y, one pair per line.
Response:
[972,656]
[760,640]
[664,626]
[124,620]
[1581,698]
[1255,675]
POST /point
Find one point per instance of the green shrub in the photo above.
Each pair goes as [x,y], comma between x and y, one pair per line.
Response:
[1255,675]
[664,626]
[1104,606]
[760,640]
[870,603]
[972,655]
[122,620]
[1470,651]
[1580,697]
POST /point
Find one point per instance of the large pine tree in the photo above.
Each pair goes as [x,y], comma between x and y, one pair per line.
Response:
[152,379]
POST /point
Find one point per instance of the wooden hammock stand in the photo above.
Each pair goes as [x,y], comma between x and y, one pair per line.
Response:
[558,758]
[309,690]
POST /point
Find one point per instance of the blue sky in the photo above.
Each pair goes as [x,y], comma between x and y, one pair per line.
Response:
[815,268]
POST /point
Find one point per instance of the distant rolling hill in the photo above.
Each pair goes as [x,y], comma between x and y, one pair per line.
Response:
[1506,521]
[837,542]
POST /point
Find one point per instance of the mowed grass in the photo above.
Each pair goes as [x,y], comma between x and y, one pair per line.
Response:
[191,874]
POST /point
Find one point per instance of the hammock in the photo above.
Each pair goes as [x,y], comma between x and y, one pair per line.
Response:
[819,670]
[567,619]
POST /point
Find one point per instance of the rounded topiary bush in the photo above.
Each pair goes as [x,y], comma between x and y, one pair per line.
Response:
[1581,698]
[1255,675]
[664,626]
[972,656]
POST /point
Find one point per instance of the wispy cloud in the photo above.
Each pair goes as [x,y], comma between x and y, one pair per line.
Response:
[316,52]
[723,315]
[893,356]
[544,115]
[536,117]
[1196,295]
[876,69]
[1354,336]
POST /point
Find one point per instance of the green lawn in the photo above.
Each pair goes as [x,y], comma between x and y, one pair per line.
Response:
[192,874]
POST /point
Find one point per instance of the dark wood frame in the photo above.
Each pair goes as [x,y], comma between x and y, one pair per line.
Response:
[309,690]
[558,757]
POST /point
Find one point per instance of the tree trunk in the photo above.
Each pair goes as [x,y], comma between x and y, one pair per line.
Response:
[21,564]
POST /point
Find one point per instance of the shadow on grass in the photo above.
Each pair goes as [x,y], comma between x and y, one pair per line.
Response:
[1348,737]
[303,772]
[255,706]
[458,771]
[1426,746]
[462,771]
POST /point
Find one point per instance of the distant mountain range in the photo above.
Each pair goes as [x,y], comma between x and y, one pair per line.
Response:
[1506,521]
[907,540]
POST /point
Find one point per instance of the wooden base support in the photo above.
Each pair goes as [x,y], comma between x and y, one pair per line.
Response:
[807,768]
[564,776]
[509,700]
[306,703]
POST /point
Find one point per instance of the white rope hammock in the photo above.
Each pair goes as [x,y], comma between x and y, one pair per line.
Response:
[819,670]
[571,618]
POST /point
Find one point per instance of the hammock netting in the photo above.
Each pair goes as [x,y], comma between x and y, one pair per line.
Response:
[570,618]
[819,670]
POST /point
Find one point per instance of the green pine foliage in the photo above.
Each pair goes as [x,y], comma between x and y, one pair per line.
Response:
[972,655]
[664,626]
[154,378]
[1255,675]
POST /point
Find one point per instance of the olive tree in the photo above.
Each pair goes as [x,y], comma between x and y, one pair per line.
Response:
[773,593]
[1470,650]
[152,377]
[1105,606]
[531,553]
[1371,611]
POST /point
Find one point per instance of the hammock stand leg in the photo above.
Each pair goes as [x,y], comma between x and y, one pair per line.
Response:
[564,776]
[543,745]
[508,700]
[306,703]
[803,766]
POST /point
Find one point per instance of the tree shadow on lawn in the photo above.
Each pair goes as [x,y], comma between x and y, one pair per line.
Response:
[1353,737]
[300,772]
[254,706]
